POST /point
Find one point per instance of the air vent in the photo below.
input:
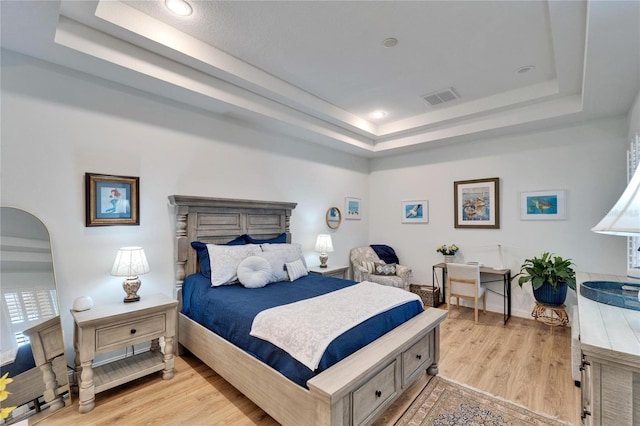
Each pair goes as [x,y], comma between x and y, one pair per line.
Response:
[441,96]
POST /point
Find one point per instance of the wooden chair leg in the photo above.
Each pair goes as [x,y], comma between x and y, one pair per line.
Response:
[484,303]
[475,308]
[448,296]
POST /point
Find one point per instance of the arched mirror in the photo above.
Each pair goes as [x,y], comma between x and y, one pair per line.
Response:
[333,217]
[31,343]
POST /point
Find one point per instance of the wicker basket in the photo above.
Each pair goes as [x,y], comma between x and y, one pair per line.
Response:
[430,295]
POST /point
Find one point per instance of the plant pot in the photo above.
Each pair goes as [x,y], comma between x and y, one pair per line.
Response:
[448,258]
[546,295]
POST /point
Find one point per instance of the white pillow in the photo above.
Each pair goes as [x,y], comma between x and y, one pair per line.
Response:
[225,260]
[254,272]
[276,261]
[290,252]
[296,269]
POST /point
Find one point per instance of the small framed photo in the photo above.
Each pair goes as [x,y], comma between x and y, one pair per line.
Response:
[111,200]
[543,205]
[415,211]
[477,203]
[352,208]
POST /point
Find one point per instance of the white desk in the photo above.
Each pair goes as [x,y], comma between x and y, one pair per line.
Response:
[503,274]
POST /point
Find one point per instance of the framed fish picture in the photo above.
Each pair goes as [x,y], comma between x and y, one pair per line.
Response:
[543,205]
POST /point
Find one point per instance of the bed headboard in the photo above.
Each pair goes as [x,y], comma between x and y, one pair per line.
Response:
[219,220]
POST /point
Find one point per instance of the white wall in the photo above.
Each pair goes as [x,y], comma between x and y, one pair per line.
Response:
[58,124]
[588,161]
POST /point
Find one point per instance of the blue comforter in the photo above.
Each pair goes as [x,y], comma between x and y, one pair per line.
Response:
[24,361]
[229,312]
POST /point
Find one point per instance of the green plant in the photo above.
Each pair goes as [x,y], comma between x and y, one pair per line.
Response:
[547,268]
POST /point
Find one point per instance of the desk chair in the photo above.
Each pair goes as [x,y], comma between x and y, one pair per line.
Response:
[463,281]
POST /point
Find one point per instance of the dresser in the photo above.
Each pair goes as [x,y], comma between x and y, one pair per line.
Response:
[107,328]
[610,347]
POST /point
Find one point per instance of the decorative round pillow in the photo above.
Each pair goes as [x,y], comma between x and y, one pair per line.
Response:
[254,272]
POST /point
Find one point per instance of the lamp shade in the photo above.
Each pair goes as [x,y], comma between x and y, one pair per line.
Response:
[624,217]
[324,243]
[130,262]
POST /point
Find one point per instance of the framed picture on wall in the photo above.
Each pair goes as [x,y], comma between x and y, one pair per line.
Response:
[352,208]
[415,211]
[111,200]
[477,203]
[543,205]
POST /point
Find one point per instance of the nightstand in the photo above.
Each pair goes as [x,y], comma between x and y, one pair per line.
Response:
[110,327]
[331,271]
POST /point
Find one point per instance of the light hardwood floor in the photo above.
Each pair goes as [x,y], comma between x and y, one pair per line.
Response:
[521,362]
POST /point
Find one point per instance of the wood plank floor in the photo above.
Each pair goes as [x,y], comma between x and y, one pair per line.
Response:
[521,362]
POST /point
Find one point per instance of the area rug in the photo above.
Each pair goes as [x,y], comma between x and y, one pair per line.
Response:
[445,403]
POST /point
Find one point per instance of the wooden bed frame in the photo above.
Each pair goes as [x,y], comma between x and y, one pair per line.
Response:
[354,391]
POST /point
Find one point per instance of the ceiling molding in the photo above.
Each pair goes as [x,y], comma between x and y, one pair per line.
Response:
[590,43]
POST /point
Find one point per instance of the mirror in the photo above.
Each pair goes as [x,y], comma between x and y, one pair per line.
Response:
[333,217]
[31,343]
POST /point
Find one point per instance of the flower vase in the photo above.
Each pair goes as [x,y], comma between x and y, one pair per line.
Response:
[448,258]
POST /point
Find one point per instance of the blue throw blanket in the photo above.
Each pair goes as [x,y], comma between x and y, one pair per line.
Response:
[385,253]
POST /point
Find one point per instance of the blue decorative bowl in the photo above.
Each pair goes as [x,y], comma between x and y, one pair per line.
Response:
[611,293]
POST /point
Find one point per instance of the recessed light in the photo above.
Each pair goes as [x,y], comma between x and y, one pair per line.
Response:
[525,69]
[179,7]
[376,115]
[389,42]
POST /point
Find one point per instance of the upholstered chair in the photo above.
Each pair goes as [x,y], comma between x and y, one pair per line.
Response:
[363,261]
[463,281]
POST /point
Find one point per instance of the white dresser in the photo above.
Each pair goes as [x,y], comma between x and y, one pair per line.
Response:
[610,345]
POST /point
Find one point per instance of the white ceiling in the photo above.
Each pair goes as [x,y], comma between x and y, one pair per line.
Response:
[316,69]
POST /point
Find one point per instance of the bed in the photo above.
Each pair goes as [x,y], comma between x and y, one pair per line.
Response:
[39,368]
[356,390]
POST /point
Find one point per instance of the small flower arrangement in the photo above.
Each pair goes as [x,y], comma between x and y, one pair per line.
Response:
[448,250]
[5,411]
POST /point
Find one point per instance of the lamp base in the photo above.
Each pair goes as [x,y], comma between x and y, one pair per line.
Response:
[131,286]
[323,260]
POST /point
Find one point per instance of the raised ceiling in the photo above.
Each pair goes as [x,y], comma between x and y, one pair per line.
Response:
[317,69]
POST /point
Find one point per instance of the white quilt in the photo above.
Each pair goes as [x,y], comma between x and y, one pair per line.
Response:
[304,329]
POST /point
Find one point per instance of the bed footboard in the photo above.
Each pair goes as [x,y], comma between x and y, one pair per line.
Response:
[354,391]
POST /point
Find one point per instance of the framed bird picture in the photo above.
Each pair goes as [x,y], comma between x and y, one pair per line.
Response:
[415,211]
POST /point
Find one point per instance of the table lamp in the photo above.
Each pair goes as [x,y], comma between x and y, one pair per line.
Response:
[130,262]
[324,246]
[624,217]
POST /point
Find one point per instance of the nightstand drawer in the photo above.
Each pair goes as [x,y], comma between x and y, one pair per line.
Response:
[117,336]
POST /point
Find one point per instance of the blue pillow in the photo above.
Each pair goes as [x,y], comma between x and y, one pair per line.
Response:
[203,253]
[203,258]
[280,239]
[238,241]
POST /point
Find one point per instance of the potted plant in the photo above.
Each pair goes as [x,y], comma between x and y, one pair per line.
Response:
[550,275]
